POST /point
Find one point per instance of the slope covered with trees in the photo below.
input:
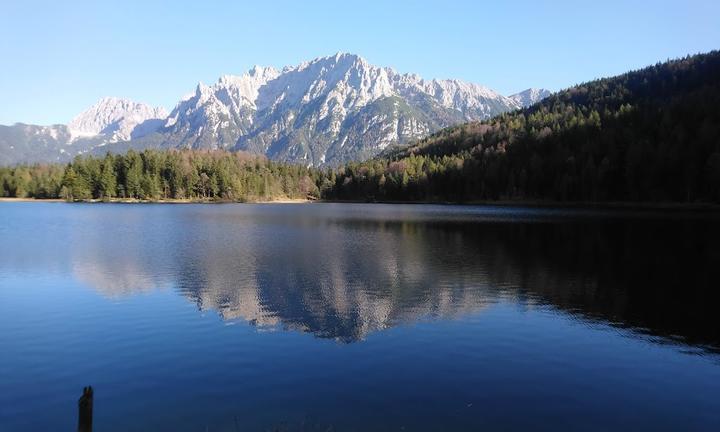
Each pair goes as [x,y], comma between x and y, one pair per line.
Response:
[647,135]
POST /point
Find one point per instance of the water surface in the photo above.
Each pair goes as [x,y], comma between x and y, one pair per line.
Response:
[358,317]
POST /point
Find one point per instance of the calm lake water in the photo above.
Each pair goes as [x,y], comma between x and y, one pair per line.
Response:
[357,317]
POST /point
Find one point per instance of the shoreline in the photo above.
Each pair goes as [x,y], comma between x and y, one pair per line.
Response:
[161,201]
[614,205]
[7,199]
[590,205]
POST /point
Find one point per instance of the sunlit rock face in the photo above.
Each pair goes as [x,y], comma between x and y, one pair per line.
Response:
[328,110]
[117,120]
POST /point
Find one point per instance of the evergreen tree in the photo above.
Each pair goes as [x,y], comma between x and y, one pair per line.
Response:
[68,183]
[108,178]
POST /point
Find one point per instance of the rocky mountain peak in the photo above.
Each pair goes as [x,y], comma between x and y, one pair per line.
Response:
[114,117]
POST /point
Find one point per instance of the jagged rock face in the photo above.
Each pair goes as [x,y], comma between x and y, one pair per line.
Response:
[117,119]
[216,116]
[326,111]
[530,96]
[329,110]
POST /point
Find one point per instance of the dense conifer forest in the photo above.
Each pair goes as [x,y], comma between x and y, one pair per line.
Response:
[651,135]
[156,175]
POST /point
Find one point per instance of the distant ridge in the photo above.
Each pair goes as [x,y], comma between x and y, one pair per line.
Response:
[530,96]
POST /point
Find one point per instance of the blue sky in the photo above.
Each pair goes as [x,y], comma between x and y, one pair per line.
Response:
[58,58]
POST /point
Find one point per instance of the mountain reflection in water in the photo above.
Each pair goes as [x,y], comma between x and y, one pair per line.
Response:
[343,272]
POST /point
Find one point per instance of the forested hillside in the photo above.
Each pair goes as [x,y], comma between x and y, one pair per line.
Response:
[648,135]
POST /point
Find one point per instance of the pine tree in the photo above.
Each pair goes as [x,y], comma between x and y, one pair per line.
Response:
[108,182]
[68,183]
[133,175]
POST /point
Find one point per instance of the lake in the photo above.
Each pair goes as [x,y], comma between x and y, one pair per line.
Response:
[353,317]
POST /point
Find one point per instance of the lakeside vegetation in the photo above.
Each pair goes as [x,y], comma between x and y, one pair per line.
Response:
[163,175]
[651,135]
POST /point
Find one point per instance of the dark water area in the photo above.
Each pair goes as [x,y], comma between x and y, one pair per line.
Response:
[358,317]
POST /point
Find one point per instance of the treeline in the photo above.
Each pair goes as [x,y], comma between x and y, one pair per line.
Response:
[155,175]
[648,135]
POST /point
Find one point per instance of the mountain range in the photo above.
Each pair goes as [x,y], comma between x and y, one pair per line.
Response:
[326,111]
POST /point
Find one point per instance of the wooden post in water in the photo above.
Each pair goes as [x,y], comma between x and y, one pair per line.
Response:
[85,406]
